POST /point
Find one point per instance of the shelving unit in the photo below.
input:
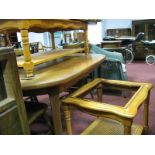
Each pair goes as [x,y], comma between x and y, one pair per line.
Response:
[146,26]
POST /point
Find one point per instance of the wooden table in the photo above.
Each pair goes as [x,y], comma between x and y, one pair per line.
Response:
[55,77]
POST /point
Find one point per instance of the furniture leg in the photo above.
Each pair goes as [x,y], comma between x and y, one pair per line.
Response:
[146,114]
[55,105]
[127,127]
[52,38]
[68,120]
[28,64]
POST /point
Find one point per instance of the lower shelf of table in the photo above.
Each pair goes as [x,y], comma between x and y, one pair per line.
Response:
[105,126]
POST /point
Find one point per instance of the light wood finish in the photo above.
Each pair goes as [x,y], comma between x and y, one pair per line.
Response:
[56,77]
[39,58]
[39,25]
[28,65]
[13,118]
[125,114]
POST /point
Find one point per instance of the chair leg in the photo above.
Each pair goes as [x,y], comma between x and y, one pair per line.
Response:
[68,120]
[49,123]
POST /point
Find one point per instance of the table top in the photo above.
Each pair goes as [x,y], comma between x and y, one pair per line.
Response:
[40,25]
[61,71]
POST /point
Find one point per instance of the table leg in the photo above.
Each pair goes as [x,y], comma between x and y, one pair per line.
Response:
[146,114]
[28,64]
[127,126]
[55,105]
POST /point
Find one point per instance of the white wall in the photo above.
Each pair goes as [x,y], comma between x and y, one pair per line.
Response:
[44,38]
[115,23]
[36,37]
[95,33]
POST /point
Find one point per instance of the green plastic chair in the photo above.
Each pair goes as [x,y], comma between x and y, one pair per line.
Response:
[113,67]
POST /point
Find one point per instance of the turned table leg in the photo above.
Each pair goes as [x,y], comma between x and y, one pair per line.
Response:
[28,64]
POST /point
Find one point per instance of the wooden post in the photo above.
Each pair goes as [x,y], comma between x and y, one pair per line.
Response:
[86,40]
[146,113]
[28,64]
[52,38]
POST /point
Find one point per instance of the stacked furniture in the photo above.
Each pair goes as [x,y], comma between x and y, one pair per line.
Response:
[24,26]
[55,71]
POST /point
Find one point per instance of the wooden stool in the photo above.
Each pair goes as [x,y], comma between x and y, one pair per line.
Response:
[111,119]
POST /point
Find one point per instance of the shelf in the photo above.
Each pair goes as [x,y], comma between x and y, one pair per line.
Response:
[39,58]
[105,126]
